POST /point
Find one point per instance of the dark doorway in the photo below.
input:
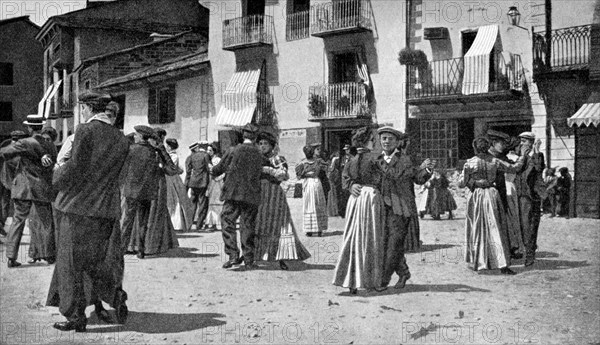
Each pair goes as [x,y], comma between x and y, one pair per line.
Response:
[120,121]
[300,5]
[468,37]
[344,68]
[255,7]
[466,130]
[336,139]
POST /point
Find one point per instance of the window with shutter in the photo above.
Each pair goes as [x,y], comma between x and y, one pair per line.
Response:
[161,105]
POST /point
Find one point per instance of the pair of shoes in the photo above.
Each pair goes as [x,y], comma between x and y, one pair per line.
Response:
[402,281]
[381,289]
[353,291]
[529,262]
[231,262]
[50,260]
[309,234]
[103,315]
[507,271]
[121,307]
[282,265]
[33,261]
[141,255]
[13,263]
[78,326]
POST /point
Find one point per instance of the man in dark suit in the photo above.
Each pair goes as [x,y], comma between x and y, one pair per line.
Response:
[142,175]
[400,208]
[88,205]
[197,177]
[32,185]
[7,175]
[242,166]
[528,183]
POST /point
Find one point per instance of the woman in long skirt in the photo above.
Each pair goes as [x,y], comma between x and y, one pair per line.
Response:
[276,237]
[314,209]
[179,205]
[485,227]
[361,255]
[215,205]
[160,235]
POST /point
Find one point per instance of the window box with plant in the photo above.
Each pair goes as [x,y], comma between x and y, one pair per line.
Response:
[316,105]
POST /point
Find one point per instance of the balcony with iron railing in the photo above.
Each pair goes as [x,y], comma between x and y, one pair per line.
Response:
[249,31]
[297,26]
[338,101]
[442,80]
[569,50]
[340,16]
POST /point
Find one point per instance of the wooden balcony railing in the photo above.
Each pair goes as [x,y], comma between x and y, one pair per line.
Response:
[342,100]
[247,31]
[265,110]
[297,26]
[445,77]
[569,48]
[340,16]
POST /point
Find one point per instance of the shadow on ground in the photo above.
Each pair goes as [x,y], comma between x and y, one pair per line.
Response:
[410,288]
[143,322]
[183,252]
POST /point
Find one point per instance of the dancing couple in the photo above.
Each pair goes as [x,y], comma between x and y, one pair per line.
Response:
[379,213]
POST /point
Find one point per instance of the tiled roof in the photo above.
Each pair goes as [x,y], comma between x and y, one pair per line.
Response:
[112,24]
[181,64]
[16,19]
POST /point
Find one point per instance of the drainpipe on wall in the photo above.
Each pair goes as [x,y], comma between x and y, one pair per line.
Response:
[406,74]
[548,39]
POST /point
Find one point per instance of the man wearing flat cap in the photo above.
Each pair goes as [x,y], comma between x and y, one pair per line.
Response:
[89,266]
[498,149]
[529,182]
[7,174]
[197,177]
[31,187]
[142,176]
[400,208]
[242,166]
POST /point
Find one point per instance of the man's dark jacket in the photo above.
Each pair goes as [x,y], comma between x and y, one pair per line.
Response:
[88,183]
[32,181]
[242,166]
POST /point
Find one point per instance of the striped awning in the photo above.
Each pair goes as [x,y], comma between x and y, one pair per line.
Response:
[588,114]
[476,78]
[46,102]
[240,97]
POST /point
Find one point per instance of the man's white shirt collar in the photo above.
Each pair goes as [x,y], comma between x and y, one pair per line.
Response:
[387,158]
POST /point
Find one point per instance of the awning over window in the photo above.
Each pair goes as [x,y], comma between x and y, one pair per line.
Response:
[588,114]
[240,96]
[476,77]
[46,102]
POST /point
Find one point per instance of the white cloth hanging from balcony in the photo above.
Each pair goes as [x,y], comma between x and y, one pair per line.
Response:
[240,97]
[476,78]
[362,70]
[46,102]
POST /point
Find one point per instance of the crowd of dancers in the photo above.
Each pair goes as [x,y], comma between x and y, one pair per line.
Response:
[105,194]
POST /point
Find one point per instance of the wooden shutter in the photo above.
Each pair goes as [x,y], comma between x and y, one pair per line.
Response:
[152,107]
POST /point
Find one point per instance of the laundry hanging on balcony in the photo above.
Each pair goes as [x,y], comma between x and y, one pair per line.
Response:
[240,96]
[476,78]
[46,102]
[588,114]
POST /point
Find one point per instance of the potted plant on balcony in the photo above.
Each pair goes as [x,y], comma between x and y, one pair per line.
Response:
[418,59]
[343,104]
[316,105]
